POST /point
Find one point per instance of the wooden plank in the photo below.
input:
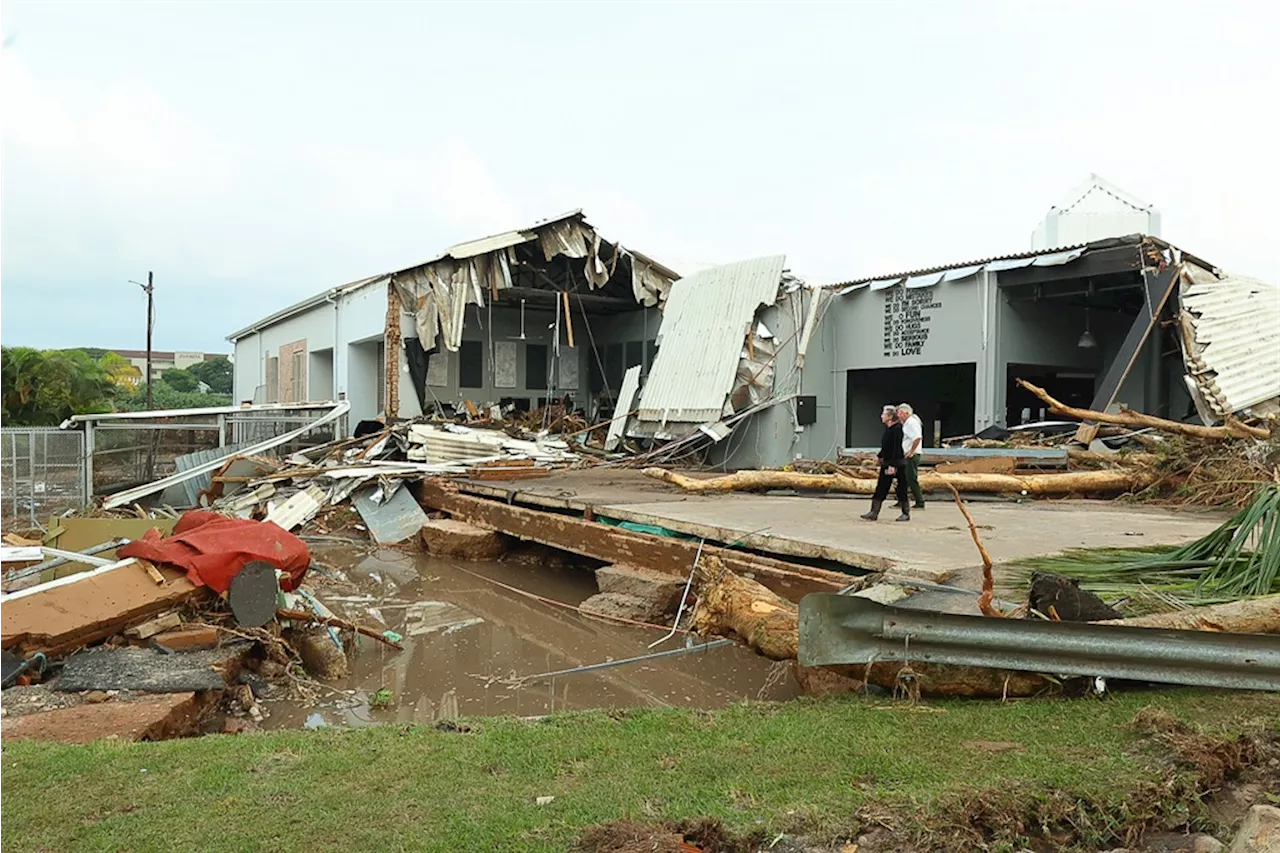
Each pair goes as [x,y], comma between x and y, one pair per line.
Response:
[154,626]
[506,463]
[64,618]
[508,473]
[604,542]
[80,533]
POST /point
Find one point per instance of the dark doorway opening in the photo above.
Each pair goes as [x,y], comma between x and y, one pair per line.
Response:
[942,395]
[1073,387]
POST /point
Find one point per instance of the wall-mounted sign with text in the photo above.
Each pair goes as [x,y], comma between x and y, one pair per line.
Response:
[907,320]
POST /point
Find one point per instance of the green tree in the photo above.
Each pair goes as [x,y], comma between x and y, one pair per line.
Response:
[165,396]
[44,388]
[180,380]
[216,373]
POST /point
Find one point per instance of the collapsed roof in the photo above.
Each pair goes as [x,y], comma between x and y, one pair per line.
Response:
[538,264]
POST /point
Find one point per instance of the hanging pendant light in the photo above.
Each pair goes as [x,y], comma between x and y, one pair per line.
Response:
[1087,340]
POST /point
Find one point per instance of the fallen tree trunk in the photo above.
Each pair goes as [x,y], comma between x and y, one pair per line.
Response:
[1250,616]
[733,606]
[1076,482]
[1232,428]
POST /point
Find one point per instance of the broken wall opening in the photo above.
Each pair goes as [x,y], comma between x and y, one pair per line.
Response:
[942,395]
[509,356]
[320,374]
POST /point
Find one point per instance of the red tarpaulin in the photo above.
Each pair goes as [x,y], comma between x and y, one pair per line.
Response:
[213,549]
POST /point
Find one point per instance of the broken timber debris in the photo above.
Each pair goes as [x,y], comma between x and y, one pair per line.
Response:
[1232,428]
[65,615]
[612,544]
[1249,616]
[1075,482]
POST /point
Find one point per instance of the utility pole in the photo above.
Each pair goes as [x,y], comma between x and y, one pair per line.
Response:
[150,289]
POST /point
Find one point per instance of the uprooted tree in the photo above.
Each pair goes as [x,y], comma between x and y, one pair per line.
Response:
[1232,428]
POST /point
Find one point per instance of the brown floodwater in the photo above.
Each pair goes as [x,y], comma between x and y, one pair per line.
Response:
[467,641]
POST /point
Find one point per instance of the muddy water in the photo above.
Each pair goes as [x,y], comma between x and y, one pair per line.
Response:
[466,640]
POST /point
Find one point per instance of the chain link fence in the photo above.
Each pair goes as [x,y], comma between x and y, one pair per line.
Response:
[42,474]
[134,451]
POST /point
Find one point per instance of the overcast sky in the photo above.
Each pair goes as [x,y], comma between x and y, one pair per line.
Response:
[253,154]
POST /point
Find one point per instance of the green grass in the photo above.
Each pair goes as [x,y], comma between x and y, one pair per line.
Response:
[805,765]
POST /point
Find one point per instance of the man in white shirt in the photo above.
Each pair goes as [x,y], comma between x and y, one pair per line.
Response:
[912,448]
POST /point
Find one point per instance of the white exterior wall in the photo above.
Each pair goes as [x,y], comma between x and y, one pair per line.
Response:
[347,331]
[314,325]
[1094,211]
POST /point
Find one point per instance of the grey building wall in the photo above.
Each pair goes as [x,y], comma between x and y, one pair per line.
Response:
[950,323]
[772,438]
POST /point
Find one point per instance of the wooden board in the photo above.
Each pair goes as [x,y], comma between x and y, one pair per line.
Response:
[604,542]
[64,618]
[77,534]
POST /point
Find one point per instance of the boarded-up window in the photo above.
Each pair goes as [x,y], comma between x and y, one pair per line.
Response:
[298,392]
[535,366]
[471,364]
[273,379]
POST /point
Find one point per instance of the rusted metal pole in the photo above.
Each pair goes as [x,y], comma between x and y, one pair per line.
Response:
[392,340]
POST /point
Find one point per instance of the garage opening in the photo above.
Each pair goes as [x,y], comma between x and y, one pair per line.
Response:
[942,395]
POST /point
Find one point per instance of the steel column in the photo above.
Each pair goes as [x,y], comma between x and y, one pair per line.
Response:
[1157,284]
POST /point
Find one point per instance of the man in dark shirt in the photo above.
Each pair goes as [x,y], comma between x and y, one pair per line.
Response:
[891,467]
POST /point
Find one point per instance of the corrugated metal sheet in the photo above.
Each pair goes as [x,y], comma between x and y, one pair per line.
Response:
[621,411]
[190,489]
[1231,339]
[927,276]
[705,321]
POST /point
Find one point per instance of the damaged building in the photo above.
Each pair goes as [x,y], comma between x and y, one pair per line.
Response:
[516,319]
[746,365]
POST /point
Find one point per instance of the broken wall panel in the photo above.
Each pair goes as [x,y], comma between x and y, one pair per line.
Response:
[706,319]
[438,292]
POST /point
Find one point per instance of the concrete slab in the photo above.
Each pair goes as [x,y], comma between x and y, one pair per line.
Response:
[934,546]
[149,671]
[149,718]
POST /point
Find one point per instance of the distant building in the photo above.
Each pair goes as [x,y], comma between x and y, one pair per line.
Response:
[1095,210]
[160,359]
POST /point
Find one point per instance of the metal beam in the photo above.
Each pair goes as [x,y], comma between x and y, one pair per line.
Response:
[842,630]
[588,299]
[1158,284]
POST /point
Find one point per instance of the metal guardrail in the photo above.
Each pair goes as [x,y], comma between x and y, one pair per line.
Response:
[837,629]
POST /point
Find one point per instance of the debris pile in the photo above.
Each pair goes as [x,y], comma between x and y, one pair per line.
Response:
[179,636]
